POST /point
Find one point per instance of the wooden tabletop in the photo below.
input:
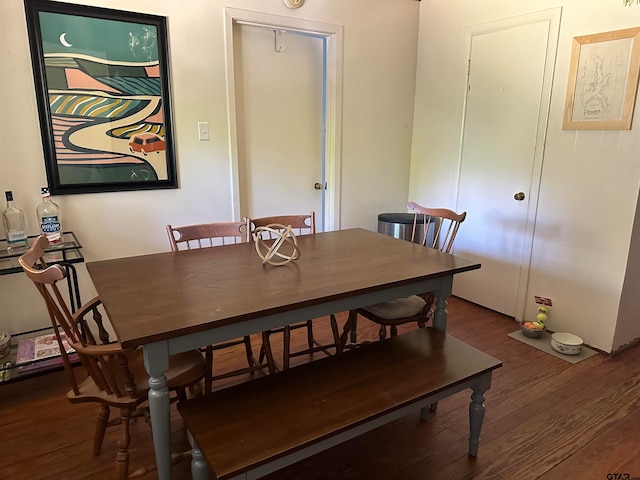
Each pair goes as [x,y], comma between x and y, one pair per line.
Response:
[155,297]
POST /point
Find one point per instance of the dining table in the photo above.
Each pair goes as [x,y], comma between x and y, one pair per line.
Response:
[172,302]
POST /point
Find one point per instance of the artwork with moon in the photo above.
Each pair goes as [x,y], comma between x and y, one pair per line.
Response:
[104,90]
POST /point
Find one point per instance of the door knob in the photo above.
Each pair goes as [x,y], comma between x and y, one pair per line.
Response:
[519,196]
[318,186]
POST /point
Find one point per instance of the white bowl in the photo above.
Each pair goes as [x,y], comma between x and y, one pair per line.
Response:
[566,343]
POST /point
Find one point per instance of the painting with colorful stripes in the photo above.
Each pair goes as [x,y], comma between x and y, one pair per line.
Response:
[103,93]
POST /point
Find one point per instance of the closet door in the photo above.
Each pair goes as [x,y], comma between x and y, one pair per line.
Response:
[508,94]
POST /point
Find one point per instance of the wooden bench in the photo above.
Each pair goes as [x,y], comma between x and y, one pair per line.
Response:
[310,408]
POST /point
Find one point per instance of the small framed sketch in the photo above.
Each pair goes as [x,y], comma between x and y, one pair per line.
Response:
[603,81]
[102,88]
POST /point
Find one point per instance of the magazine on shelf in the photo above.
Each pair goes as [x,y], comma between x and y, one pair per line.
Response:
[40,348]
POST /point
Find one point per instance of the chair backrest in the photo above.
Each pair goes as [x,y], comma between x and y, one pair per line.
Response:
[206,235]
[300,224]
[83,330]
[444,222]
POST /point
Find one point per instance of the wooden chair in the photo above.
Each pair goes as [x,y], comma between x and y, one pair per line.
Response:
[216,234]
[115,377]
[301,225]
[437,227]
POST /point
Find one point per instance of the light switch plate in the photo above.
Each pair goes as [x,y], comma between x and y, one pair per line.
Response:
[203,130]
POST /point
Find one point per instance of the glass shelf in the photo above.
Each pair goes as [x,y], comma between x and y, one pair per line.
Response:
[11,371]
[69,250]
[65,253]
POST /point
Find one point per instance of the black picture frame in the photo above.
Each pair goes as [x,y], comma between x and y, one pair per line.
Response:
[104,99]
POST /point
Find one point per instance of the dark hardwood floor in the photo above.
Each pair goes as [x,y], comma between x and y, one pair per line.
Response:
[546,418]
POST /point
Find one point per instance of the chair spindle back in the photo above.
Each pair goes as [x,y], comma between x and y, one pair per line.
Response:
[444,222]
[206,235]
[104,361]
[300,224]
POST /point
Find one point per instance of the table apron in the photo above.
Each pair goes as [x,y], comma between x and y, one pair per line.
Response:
[441,286]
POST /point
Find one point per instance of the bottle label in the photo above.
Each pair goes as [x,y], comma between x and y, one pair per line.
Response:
[16,237]
[50,226]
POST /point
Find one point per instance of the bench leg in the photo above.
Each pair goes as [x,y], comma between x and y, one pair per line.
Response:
[424,412]
[199,467]
[476,412]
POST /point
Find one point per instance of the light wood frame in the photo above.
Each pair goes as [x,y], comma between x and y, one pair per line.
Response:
[613,94]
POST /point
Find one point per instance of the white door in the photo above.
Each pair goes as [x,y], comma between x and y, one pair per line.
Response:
[279,113]
[508,96]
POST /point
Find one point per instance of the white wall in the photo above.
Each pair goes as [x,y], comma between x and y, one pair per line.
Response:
[590,179]
[379,71]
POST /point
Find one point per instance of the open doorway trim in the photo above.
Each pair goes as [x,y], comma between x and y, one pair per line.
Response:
[332,35]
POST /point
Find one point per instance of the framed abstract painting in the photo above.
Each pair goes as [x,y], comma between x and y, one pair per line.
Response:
[103,94]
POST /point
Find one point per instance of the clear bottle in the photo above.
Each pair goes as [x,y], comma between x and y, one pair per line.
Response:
[13,219]
[48,214]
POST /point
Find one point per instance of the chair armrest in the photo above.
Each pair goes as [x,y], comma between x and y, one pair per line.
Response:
[87,307]
[96,350]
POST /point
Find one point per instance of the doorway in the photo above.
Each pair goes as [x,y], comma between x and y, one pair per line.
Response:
[508,94]
[284,86]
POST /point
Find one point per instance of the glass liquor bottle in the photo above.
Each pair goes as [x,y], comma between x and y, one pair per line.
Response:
[13,219]
[48,214]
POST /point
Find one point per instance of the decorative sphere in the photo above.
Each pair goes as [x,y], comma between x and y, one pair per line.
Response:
[283,248]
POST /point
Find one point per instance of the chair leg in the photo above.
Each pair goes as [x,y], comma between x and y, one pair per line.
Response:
[382,333]
[429,299]
[181,393]
[195,389]
[394,330]
[349,329]
[345,332]
[286,348]
[249,352]
[336,335]
[310,340]
[353,316]
[265,351]
[209,376]
[102,422]
[262,353]
[122,457]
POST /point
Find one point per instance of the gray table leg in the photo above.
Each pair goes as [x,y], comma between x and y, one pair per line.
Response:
[476,412]
[199,467]
[156,362]
[440,312]
[439,322]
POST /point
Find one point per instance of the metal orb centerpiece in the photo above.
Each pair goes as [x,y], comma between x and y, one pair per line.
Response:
[276,244]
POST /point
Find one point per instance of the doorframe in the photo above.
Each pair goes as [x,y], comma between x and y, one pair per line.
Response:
[552,16]
[332,138]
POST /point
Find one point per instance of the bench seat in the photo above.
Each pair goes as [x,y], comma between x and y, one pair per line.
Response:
[315,406]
